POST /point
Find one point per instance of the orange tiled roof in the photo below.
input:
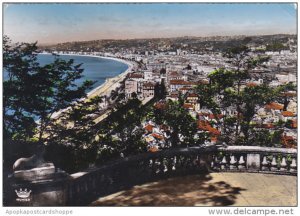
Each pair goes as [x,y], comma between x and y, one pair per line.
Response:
[268,125]
[251,84]
[290,94]
[203,114]
[157,136]
[160,105]
[135,75]
[187,106]
[213,116]
[275,106]
[148,85]
[178,82]
[153,149]
[205,125]
[205,82]
[287,114]
[174,73]
[149,127]
[294,123]
[192,95]
[288,141]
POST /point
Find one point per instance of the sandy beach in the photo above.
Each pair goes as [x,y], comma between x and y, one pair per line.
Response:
[109,85]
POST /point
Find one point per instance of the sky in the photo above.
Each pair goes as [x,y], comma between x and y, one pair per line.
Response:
[56,23]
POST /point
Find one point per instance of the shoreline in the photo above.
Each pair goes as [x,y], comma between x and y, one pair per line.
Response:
[98,88]
[104,88]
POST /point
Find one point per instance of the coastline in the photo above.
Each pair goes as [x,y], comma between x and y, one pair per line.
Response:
[106,87]
[103,85]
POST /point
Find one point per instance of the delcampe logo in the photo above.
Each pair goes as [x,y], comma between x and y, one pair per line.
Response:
[23,195]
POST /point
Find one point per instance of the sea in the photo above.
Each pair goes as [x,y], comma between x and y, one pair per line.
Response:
[95,68]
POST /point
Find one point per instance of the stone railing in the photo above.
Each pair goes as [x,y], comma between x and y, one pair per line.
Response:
[83,187]
[122,174]
[255,159]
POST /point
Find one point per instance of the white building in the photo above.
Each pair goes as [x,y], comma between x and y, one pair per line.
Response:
[148,75]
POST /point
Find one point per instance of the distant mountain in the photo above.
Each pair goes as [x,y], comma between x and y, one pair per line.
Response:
[215,43]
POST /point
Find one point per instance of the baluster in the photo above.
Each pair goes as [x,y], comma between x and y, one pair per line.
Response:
[241,163]
[293,166]
[212,164]
[196,161]
[223,163]
[182,161]
[274,164]
[265,164]
[188,162]
[169,164]
[152,166]
[161,166]
[165,165]
[174,163]
[150,163]
[157,166]
[216,163]
[232,165]
[283,164]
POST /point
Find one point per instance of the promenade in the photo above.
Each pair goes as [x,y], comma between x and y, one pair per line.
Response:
[106,88]
[111,83]
[215,189]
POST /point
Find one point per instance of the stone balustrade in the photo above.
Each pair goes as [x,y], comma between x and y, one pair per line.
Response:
[255,159]
[148,167]
[84,187]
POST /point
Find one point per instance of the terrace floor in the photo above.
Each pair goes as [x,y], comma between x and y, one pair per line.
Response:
[214,189]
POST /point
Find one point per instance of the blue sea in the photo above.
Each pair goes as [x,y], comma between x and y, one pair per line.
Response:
[95,69]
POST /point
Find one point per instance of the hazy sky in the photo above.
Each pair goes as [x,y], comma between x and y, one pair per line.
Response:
[53,23]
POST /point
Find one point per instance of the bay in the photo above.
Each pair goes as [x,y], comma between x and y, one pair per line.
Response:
[95,68]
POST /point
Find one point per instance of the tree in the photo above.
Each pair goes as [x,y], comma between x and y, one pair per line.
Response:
[121,132]
[283,94]
[163,71]
[276,46]
[228,94]
[183,128]
[33,93]
[160,90]
[18,63]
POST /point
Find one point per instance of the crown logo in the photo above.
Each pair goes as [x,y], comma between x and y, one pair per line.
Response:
[23,193]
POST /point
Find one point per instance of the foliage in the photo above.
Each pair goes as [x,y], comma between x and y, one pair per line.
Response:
[121,133]
[183,128]
[227,94]
[282,96]
[32,95]
[32,91]
[276,46]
